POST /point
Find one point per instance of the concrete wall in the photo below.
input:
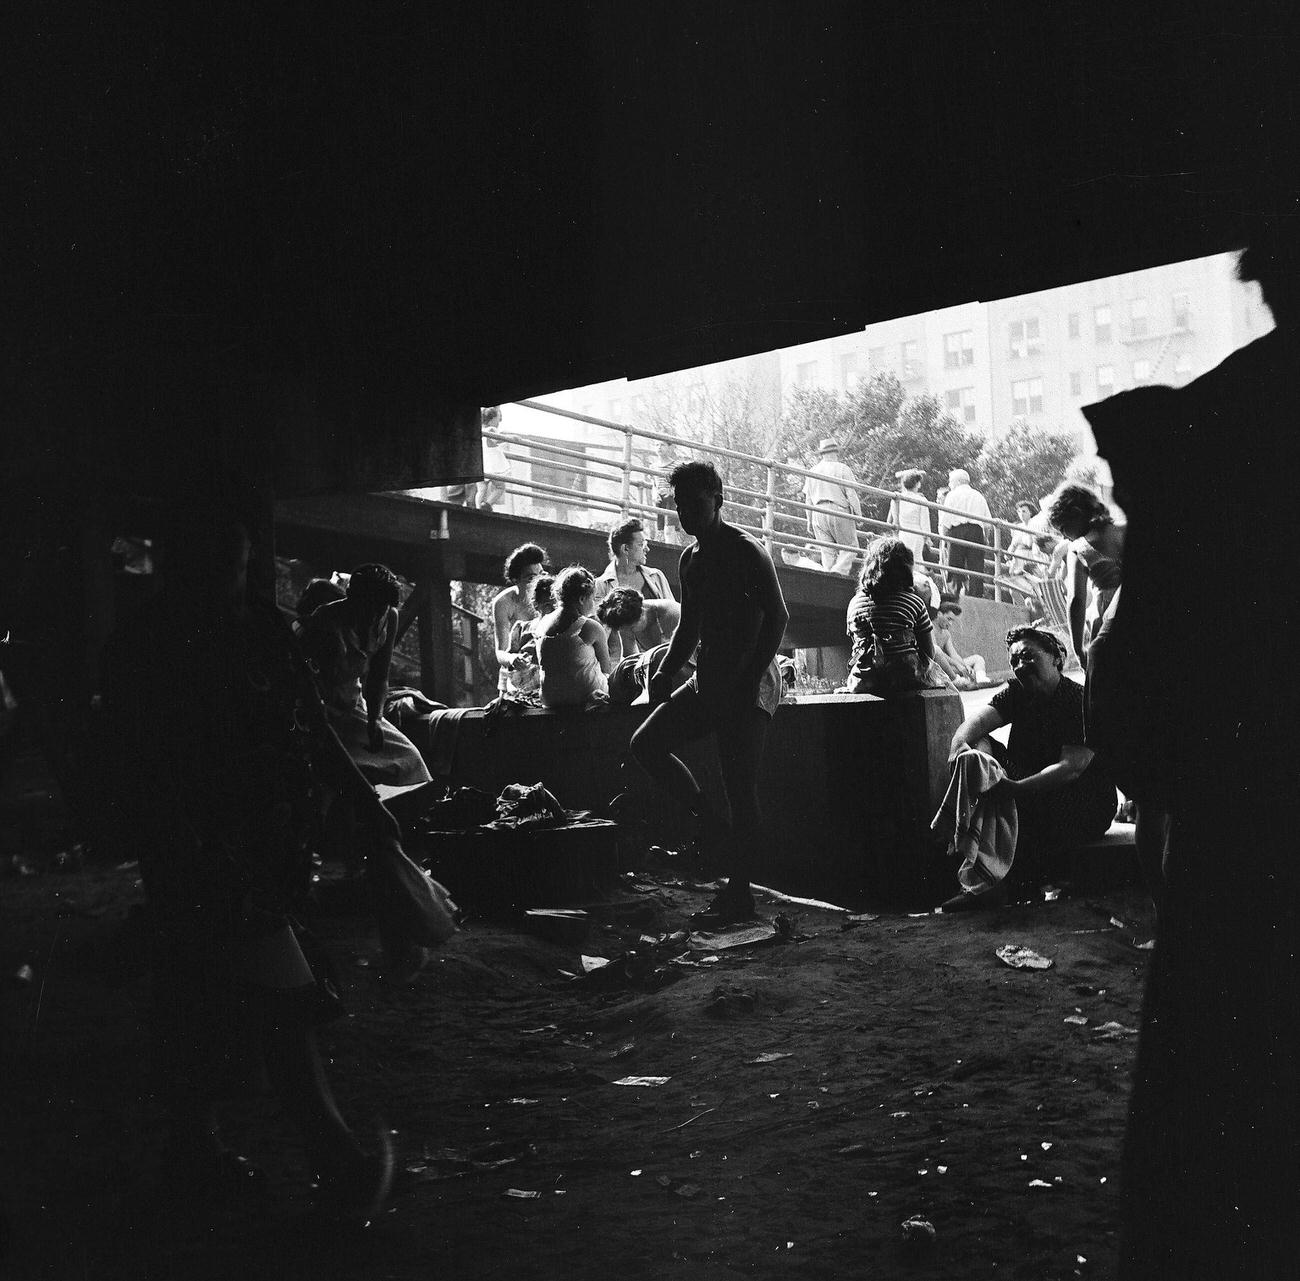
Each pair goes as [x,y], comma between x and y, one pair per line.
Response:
[849,783]
[982,629]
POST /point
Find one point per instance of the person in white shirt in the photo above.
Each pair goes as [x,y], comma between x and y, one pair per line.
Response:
[837,504]
[627,565]
[966,523]
[911,519]
[492,488]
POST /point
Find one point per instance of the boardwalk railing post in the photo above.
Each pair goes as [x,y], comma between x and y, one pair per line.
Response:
[627,470]
[998,589]
[769,516]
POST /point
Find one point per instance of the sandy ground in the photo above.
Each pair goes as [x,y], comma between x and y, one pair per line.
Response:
[819,1092]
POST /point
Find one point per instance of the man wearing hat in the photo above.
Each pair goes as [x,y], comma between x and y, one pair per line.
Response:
[911,519]
[965,523]
[836,504]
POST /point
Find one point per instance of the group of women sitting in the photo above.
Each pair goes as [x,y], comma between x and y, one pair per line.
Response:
[559,638]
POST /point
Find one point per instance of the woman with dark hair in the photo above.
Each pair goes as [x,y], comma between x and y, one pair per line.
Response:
[572,651]
[524,676]
[889,625]
[523,567]
[350,646]
[1095,555]
[636,624]
[1065,796]
[627,567]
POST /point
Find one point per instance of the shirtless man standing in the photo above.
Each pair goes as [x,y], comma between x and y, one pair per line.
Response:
[732,608]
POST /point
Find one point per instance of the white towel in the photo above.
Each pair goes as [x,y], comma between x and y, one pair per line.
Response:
[983,831]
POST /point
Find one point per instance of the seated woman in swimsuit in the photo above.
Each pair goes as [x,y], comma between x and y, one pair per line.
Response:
[523,567]
[525,676]
[572,651]
[636,624]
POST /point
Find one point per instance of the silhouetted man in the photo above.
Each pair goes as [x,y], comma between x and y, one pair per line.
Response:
[732,608]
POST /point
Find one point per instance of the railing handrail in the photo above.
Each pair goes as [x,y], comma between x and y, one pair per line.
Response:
[739,456]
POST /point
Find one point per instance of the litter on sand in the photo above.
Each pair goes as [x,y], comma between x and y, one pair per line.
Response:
[522,1194]
[1077,1019]
[643,1080]
[704,941]
[1113,1031]
[590,963]
[1022,958]
[771,1056]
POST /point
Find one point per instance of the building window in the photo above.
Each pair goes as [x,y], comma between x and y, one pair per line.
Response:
[849,370]
[695,398]
[1025,340]
[959,349]
[1182,311]
[1183,366]
[876,359]
[806,374]
[961,401]
[1101,323]
[1141,371]
[1076,383]
[1027,397]
[1072,324]
[1137,317]
[911,364]
[1105,379]
[616,409]
[638,406]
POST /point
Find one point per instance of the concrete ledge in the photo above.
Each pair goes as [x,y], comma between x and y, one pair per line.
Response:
[848,785]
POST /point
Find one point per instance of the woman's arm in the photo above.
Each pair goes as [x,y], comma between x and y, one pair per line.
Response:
[594,634]
[975,727]
[501,621]
[614,643]
[1077,601]
[1074,760]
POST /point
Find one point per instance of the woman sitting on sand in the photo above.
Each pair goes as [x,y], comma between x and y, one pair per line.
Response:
[572,651]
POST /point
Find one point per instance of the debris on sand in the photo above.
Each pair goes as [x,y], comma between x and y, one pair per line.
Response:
[1022,958]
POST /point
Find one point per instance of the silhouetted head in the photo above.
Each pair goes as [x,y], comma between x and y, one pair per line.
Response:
[1273,259]
[372,589]
[887,568]
[621,607]
[320,591]
[697,491]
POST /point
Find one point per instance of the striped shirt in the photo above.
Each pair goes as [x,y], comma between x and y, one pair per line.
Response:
[898,618]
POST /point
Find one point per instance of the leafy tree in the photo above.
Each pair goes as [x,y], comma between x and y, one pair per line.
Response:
[881,431]
[1027,462]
